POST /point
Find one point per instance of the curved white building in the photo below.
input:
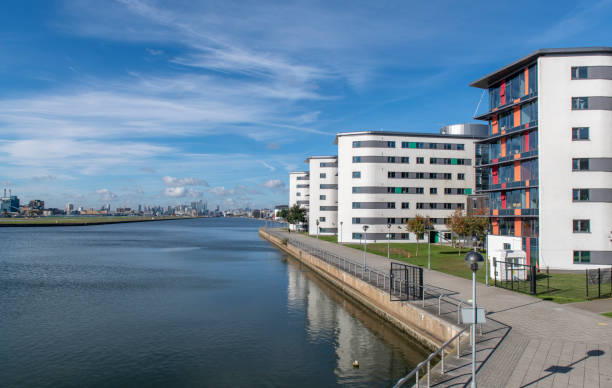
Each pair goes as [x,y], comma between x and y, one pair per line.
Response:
[323,206]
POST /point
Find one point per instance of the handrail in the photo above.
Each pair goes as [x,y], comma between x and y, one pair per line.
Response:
[427,361]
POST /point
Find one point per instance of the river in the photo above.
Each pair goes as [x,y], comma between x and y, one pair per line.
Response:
[198,302]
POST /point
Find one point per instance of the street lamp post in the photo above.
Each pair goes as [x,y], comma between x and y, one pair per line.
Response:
[474,260]
[486,232]
[429,247]
[365,246]
[317,229]
[341,222]
[388,240]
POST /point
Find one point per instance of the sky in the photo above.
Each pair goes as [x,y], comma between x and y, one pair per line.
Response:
[163,102]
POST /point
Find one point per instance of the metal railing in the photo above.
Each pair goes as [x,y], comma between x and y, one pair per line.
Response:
[427,362]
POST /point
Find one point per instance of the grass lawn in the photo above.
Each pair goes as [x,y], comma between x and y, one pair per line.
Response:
[558,287]
[609,315]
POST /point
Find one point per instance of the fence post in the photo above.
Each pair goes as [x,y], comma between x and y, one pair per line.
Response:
[547,280]
[511,275]
[495,271]
[586,278]
[599,282]
[533,280]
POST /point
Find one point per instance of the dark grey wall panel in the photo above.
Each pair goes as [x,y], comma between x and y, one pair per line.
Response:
[600,164]
[601,257]
[372,144]
[600,103]
[328,208]
[372,205]
[329,186]
[600,195]
[599,72]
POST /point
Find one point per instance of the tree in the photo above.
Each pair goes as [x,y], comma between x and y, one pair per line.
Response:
[418,225]
[458,225]
[296,215]
[283,213]
[478,223]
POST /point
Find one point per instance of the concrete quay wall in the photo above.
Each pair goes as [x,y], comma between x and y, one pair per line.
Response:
[429,329]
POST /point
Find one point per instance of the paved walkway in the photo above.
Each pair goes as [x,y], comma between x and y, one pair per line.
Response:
[526,342]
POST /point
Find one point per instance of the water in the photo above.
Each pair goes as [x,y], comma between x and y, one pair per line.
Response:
[202,302]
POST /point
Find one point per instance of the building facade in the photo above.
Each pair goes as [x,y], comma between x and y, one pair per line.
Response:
[323,205]
[299,189]
[549,157]
[386,178]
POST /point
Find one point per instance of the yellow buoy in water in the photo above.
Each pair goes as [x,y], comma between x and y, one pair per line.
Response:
[355,364]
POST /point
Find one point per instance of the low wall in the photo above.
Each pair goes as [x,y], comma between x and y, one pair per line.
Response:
[429,329]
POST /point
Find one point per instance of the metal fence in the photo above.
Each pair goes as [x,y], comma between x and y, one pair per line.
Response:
[411,281]
[596,278]
[514,276]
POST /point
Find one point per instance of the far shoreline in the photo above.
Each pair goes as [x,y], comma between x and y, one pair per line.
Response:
[56,222]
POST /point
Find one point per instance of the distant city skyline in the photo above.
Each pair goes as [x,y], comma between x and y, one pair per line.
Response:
[140,102]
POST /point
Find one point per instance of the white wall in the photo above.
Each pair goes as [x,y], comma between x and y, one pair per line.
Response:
[331,196]
[556,150]
[375,174]
[298,194]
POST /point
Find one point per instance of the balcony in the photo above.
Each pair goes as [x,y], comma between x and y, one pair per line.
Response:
[507,106]
[510,131]
[508,159]
[512,185]
[513,213]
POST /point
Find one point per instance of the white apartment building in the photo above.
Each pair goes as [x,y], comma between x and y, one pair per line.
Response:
[550,157]
[386,178]
[323,205]
[299,189]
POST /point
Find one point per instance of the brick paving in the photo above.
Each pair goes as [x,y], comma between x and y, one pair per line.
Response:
[526,342]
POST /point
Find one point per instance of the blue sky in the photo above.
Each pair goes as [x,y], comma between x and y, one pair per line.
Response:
[150,102]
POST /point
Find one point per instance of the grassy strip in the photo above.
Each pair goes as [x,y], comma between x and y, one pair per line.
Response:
[557,287]
[609,315]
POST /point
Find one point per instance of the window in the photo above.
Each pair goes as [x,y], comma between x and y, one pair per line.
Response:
[356,220]
[433,146]
[580,103]
[298,194]
[580,195]
[420,160]
[391,144]
[356,189]
[448,206]
[433,190]
[460,147]
[390,205]
[582,226]
[390,220]
[356,159]
[579,72]
[433,175]
[391,174]
[356,174]
[420,175]
[461,176]
[582,257]
[420,145]
[322,197]
[507,247]
[448,190]
[448,176]
[420,205]
[433,161]
[390,159]
[356,236]
[580,133]
[356,205]
[356,144]
[322,219]
[419,190]
[405,205]
[405,159]
[580,164]
[448,146]
[323,175]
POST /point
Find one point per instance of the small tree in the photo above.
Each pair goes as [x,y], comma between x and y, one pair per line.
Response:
[478,223]
[283,213]
[418,225]
[296,215]
[458,225]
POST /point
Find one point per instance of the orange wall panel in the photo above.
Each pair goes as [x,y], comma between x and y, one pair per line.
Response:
[517,116]
[495,226]
[526,81]
[517,227]
[517,171]
[527,199]
[503,148]
[494,125]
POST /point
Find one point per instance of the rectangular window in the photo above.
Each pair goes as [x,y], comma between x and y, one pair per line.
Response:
[356,144]
[433,146]
[433,161]
[356,189]
[405,159]
[420,205]
[356,220]
[322,219]
[580,164]
[390,205]
[298,194]
[420,160]
[448,190]
[356,159]
[448,206]
[356,205]
[579,72]
[581,257]
[419,190]
[322,197]
[390,159]
[448,176]
[420,145]
[391,174]
[433,190]
[580,103]
[580,195]
[433,175]
[582,226]
[356,174]
[323,175]
[390,220]
[580,133]
[405,205]
[460,147]
[507,247]
[448,146]
[461,176]
[356,236]
[390,144]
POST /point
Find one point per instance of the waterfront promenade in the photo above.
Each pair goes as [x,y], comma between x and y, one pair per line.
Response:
[526,342]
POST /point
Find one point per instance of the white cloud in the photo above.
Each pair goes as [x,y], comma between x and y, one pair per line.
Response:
[181,191]
[171,181]
[273,184]
[154,52]
[106,195]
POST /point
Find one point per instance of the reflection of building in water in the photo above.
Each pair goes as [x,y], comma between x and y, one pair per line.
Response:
[320,313]
[296,289]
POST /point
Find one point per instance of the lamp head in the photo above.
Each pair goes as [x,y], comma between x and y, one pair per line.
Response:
[388,226]
[365,228]
[317,222]
[474,260]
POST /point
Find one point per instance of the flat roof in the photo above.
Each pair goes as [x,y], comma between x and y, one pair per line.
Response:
[321,157]
[405,134]
[499,74]
[299,172]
